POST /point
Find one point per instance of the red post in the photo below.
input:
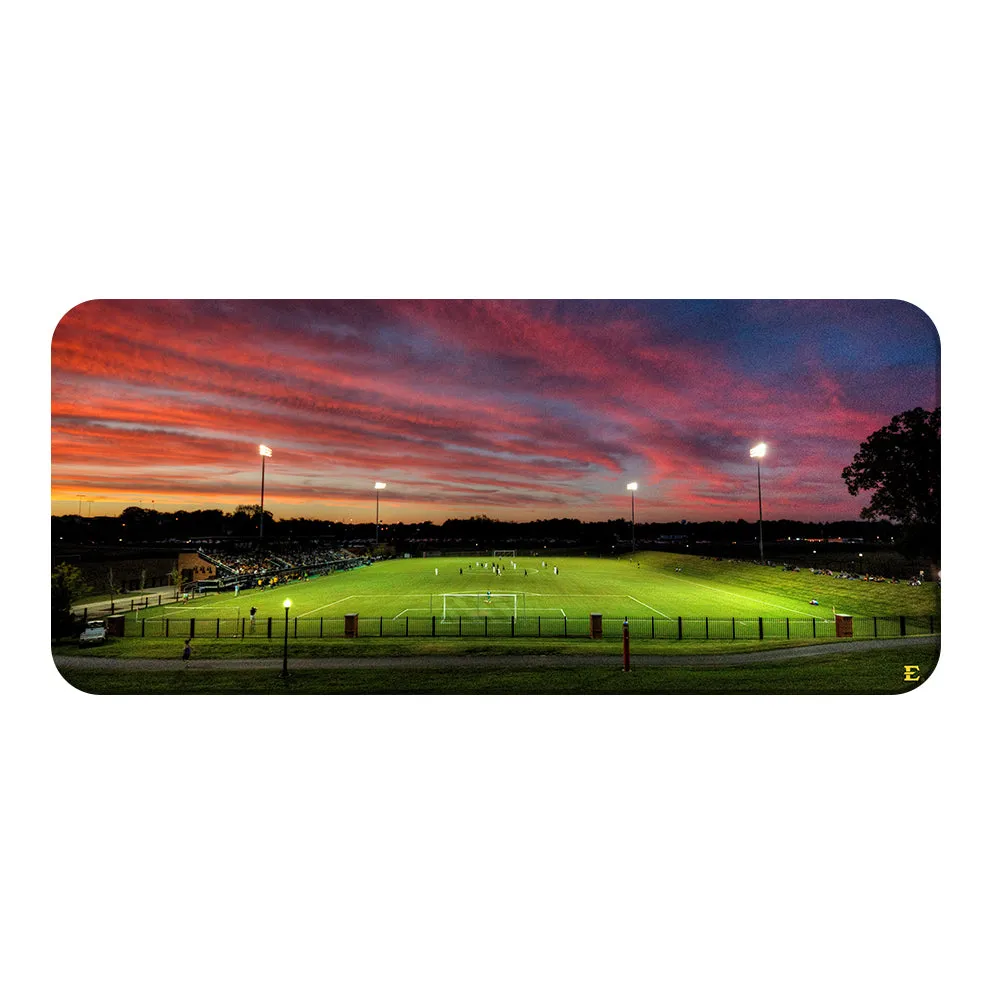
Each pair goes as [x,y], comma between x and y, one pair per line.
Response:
[625,657]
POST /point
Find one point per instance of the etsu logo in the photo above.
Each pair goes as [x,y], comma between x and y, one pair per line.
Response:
[911,673]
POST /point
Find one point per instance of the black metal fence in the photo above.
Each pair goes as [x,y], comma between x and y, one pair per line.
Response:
[525,626]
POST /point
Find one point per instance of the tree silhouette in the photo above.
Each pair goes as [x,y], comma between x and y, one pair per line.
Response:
[901,465]
[67,586]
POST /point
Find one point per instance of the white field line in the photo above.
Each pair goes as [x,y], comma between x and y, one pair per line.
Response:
[330,605]
[405,611]
[645,605]
[756,600]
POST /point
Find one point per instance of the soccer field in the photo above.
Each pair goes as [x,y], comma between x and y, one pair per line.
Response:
[455,593]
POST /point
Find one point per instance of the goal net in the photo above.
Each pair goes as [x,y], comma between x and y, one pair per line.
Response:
[505,553]
[483,602]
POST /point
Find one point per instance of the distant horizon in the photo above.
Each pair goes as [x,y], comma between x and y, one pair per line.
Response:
[516,410]
[439,524]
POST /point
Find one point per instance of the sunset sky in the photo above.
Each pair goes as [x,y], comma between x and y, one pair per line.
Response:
[516,410]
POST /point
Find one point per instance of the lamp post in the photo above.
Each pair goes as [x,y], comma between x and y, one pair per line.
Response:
[284,662]
[861,564]
[632,487]
[758,452]
[378,488]
[265,453]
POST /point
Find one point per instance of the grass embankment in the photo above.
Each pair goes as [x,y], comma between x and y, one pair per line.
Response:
[500,649]
[878,671]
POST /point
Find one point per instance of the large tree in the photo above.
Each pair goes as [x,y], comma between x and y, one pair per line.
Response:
[901,465]
[67,587]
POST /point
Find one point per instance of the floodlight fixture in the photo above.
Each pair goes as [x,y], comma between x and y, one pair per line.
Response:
[378,486]
[288,602]
[632,487]
[758,452]
[265,453]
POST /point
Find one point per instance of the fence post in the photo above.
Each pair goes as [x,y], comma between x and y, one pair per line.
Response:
[321,627]
[269,628]
[159,599]
[902,624]
[166,628]
[433,625]
[512,626]
[112,607]
[652,626]
[706,626]
[565,626]
[680,628]
[295,628]
[788,628]
[216,628]
[407,629]
[875,624]
[539,625]
[814,628]
[192,628]
[734,627]
[760,627]
[380,626]
[131,604]
[143,632]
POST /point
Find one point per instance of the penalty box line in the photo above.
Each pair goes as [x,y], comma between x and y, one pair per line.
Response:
[645,605]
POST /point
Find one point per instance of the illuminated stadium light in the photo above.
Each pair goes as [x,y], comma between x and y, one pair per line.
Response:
[265,453]
[378,486]
[632,487]
[758,452]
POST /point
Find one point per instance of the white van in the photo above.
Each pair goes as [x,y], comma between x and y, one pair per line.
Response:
[95,632]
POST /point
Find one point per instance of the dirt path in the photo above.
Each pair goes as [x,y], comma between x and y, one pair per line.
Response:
[499,660]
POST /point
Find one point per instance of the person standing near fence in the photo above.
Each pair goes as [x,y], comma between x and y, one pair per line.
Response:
[186,655]
[253,618]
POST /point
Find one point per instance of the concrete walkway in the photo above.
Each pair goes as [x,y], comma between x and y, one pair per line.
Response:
[501,660]
[100,605]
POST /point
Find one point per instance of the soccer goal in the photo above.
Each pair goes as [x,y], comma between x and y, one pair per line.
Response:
[482,603]
[505,553]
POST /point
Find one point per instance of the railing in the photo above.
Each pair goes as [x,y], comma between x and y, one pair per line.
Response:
[526,626]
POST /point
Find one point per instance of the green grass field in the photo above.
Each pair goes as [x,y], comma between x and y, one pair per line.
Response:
[842,671]
[399,597]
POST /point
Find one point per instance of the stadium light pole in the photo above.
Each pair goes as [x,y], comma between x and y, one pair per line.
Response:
[758,452]
[378,487]
[265,453]
[632,487]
